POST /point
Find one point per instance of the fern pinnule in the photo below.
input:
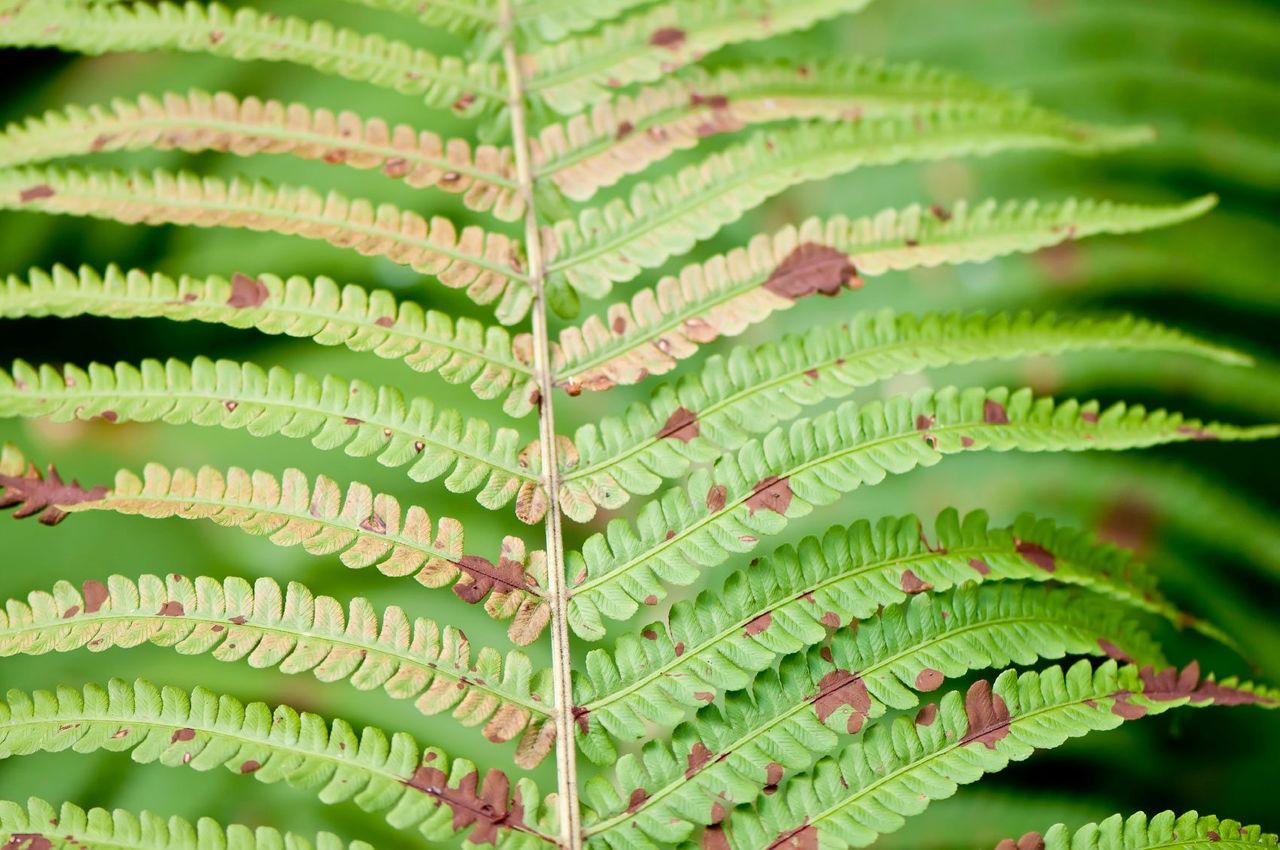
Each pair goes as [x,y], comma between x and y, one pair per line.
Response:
[414,788]
[660,326]
[462,351]
[264,625]
[1139,832]
[197,121]
[487,265]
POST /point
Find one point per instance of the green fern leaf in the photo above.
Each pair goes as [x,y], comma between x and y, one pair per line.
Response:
[247,34]
[118,829]
[222,122]
[897,769]
[791,600]
[631,132]
[669,216]
[296,631]
[1138,832]
[722,297]
[486,265]
[462,351]
[413,788]
[554,19]
[334,413]
[756,491]
[790,716]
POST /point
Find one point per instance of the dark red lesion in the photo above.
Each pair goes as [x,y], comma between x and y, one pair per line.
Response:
[45,495]
[812,269]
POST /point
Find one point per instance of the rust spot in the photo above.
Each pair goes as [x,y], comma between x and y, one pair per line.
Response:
[462,103]
[94,593]
[714,838]
[651,599]
[803,838]
[36,841]
[681,425]
[351,420]
[967,442]
[171,609]
[840,688]
[397,167]
[507,576]
[993,413]
[580,717]
[716,497]
[669,37]
[486,807]
[759,624]
[385,322]
[1089,416]
[185,734]
[619,325]
[770,494]
[927,714]
[1036,554]
[679,649]
[1030,841]
[238,620]
[911,583]
[626,128]
[831,620]
[1113,651]
[924,423]
[773,774]
[216,37]
[940,212]
[71,612]
[718,813]
[1125,709]
[812,269]
[637,800]
[250,766]
[980,566]
[45,495]
[704,696]
[649,634]
[109,416]
[699,756]
[246,291]
[929,679]
[987,714]
[36,193]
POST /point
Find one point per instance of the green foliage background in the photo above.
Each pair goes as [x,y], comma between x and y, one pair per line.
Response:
[1203,72]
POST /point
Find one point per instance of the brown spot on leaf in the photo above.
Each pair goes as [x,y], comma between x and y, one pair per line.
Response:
[927,714]
[716,498]
[714,838]
[185,734]
[812,269]
[929,679]
[374,523]
[1089,416]
[484,577]
[940,212]
[1113,651]
[840,688]
[250,766]
[704,696]
[924,423]
[171,609]
[239,620]
[45,495]
[669,37]
[993,413]
[33,841]
[36,193]
[396,167]
[679,648]
[626,128]
[803,838]
[681,425]
[638,797]
[911,583]
[770,494]
[651,599]
[461,104]
[967,442]
[1030,841]
[216,36]
[1036,554]
[773,774]
[109,416]
[649,634]
[246,291]
[980,566]
[987,714]
[1196,433]
[831,620]
[1127,710]
[95,593]
[71,612]
[580,717]
[385,322]
[759,624]
[486,807]
[699,756]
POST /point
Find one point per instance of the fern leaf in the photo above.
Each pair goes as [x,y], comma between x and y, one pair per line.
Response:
[752,390]
[725,295]
[295,630]
[119,829]
[631,132]
[798,712]
[671,215]
[359,417]
[1138,832]
[755,492]
[580,71]
[461,351]
[486,265]
[222,122]
[362,527]
[247,34]
[721,639]
[413,788]
[896,770]
[464,17]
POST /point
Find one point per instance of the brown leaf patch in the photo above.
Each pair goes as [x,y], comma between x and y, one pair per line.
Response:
[36,193]
[1113,651]
[929,679]
[987,714]
[993,413]
[171,609]
[699,756]
[770,494]
[681,425]
[803,838]
[714,838]
[1030,841]
[773,773]
[246,291]
[484,577]
[980,566]
[45,495]
[911,583]
[638,797]
[716,498]
[250,766]
[668,37]
[831,620]
[927,714]
[487,807]
[182,735]
[1036,554]
[36,841]
[759,624]
[812,269]
[840,688]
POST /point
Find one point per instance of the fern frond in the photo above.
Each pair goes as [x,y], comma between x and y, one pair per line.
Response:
[631,132]
[552,20]
[669,216]
[1138,832]
[794,714]
[119,829]
[757,490]
[752,390]
[896,770]
[334,413]
[247,34]
[652,42]
[462,351]
[791,600]
[222,122]
[465,17]
[487,265]
[362,527]
[723,296]
[413,788]
[297,631]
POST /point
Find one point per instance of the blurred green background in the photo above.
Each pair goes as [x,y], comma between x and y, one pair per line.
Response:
[1203,72]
